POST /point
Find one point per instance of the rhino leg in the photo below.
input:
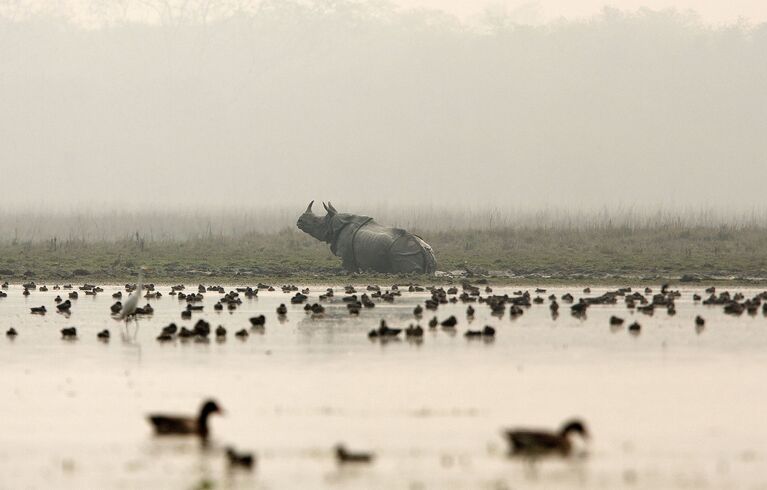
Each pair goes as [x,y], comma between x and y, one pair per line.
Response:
[343,250]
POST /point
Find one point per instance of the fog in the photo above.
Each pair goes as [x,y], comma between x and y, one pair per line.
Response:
[373,106]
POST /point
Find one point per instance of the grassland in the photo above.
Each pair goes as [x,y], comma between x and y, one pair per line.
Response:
[610,254]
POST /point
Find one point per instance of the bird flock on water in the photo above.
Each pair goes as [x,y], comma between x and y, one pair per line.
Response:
[523,442]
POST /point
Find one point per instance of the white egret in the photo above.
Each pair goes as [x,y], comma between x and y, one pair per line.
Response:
[128,310]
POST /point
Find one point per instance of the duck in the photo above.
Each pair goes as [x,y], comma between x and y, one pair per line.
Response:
[64,307]
[317,309]
[11,332]
[38,310]
[671,309]
[699,321]
[554,306]
[515,311]
[298,299]
[533,443]
[242,334]
[201,328]
[343,455]
[414,331]
[69,333]
[258,321]
[384,331]
[282,309]
[450,322]
[103,335]
[579,309]
[488,331]
[220,331]
[146,310]
[240,460]
[165,425]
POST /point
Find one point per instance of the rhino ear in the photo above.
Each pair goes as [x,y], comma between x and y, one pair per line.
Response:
[331,209]
[325,206]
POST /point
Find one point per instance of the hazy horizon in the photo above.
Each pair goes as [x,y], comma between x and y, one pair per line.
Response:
[368,105]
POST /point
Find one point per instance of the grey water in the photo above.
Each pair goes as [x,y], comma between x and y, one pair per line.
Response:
[672,407]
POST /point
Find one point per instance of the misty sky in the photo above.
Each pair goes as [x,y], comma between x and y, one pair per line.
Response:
[364,104]
[711,11]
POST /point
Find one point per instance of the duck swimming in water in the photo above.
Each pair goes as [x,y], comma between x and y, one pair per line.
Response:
[532,444]
[64,307]
[179,425]
[343,455]
[239,460]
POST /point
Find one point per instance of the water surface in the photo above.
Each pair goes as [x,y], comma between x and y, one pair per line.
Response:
[669,408]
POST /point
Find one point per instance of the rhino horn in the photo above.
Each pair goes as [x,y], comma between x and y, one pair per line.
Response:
[309,207]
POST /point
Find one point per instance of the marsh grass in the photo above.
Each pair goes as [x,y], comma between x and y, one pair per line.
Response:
[231,245]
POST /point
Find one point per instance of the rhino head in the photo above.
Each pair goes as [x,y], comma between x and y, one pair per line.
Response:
[317,226]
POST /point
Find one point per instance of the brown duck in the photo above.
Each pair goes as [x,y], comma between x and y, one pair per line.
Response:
[530,443]
[343,455]
[179,425]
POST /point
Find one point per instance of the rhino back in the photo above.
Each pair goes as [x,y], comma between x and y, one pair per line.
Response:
[367,247]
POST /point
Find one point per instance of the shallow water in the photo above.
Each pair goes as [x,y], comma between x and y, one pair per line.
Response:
[669,408]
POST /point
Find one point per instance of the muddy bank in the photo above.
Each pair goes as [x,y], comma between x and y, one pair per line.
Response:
[239,275]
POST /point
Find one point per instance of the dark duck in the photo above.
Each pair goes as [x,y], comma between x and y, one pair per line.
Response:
[532,443]
[180,425]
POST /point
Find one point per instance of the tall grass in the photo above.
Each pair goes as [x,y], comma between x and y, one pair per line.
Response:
[246,243]
[172,226]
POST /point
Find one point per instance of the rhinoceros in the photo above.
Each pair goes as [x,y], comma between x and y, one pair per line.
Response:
[365,245]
